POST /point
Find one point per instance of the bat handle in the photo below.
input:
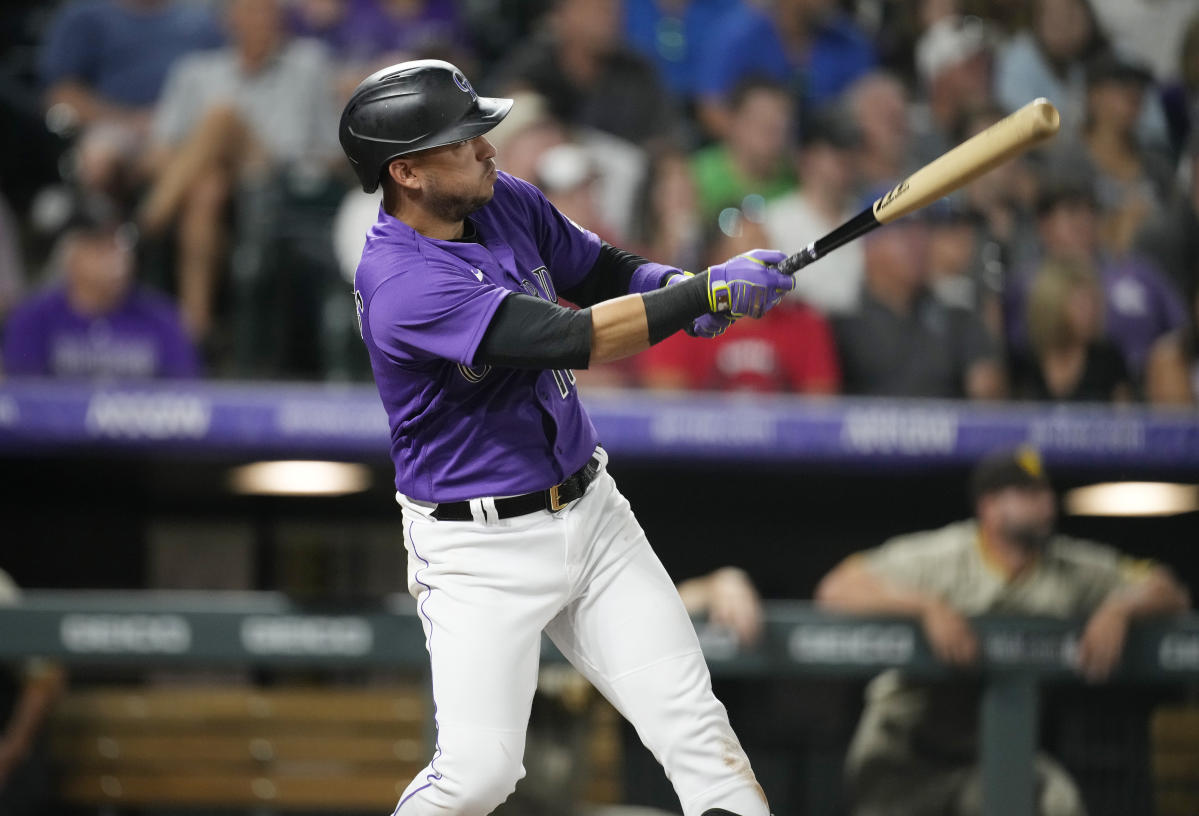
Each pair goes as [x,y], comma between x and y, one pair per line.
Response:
[793,263]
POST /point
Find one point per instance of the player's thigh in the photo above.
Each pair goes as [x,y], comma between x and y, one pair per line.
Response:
[628,613]
[483,597]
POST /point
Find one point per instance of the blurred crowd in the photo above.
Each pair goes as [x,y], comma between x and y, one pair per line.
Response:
[175,202]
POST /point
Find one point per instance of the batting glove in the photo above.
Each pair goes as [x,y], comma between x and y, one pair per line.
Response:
[709,325]
[749,284]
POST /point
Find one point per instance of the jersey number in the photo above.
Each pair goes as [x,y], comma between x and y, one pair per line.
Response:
[544,289]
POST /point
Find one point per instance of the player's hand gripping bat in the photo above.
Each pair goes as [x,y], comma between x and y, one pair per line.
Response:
[1032,125]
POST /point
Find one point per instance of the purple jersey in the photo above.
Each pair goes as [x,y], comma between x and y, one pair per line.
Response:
[141,338]
[460,431]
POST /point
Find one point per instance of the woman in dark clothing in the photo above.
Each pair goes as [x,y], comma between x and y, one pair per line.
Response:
[1068,361]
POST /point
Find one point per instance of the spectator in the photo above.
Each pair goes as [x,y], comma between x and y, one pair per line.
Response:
[1048,60]
[569,179]
[1002,203]
[588,77]
[619,166]
[666,224]
[1172,374]
[227,117]
[12,269]
[1149,31]
[902,341]
[103,66]
[1068,359]
[370,33]
[1140,305]
[728,598]
[824,163]
[878,103]
[790,352]
[1180,97]
[1132,184]
[916,747]
[26,701]
[811,45]
[96,323]
[365,35]
[957,269]
[751,159]
[953,59]
[1172,239]
[679,36]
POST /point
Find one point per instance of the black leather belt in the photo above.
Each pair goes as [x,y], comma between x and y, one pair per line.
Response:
[555,498]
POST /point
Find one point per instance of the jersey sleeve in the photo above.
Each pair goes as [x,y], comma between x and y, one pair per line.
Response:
[444,314]
[1097,571]
[568,249]
[917,561]
[975,342]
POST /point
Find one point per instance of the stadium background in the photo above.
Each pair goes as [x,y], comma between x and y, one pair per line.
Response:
[135,509]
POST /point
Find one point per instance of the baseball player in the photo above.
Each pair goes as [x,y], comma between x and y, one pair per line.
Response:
[512,524]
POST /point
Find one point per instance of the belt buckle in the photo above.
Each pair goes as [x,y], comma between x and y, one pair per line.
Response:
[555,501]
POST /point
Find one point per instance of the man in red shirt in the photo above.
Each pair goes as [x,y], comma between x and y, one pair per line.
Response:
[789,350]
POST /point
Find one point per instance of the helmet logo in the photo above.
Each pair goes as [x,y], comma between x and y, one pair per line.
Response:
[461,81]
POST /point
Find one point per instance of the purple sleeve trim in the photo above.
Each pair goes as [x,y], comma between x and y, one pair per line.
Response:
[650,276]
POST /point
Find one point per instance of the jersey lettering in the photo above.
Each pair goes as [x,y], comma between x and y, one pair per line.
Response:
[544,289]
[545,286]
[358,312]
[474,375]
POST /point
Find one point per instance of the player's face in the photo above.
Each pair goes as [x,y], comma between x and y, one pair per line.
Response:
[1023,515]
[457,179]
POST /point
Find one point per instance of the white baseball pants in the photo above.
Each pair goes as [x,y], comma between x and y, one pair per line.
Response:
[586,575]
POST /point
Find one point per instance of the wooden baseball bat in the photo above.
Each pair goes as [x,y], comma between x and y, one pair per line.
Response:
[1032,125]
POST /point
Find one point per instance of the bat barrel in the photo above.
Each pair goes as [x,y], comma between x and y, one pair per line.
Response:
[1032,125]
[1026,128]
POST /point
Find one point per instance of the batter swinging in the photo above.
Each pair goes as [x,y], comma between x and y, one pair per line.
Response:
[512,524]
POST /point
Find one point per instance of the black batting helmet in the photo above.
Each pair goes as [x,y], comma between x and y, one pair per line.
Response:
[408,107]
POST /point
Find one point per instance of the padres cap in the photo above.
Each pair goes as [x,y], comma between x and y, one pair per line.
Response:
[408,107]
[1018,467]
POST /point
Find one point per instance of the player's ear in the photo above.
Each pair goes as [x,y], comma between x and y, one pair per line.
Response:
[403,172]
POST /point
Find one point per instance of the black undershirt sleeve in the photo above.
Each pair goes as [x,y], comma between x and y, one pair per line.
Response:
[527,332]
[608,277]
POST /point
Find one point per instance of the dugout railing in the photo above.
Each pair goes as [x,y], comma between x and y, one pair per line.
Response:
[172,629]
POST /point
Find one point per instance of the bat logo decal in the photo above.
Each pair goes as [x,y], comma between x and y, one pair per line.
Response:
[895,193]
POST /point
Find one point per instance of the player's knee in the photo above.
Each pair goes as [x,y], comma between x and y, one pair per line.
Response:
[481,777]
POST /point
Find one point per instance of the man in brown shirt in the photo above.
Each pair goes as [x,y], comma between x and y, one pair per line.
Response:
[916,748]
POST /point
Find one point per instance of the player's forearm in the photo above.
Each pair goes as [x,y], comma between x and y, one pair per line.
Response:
[619,329]
[1158,594]
[852,587]
[626,325]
